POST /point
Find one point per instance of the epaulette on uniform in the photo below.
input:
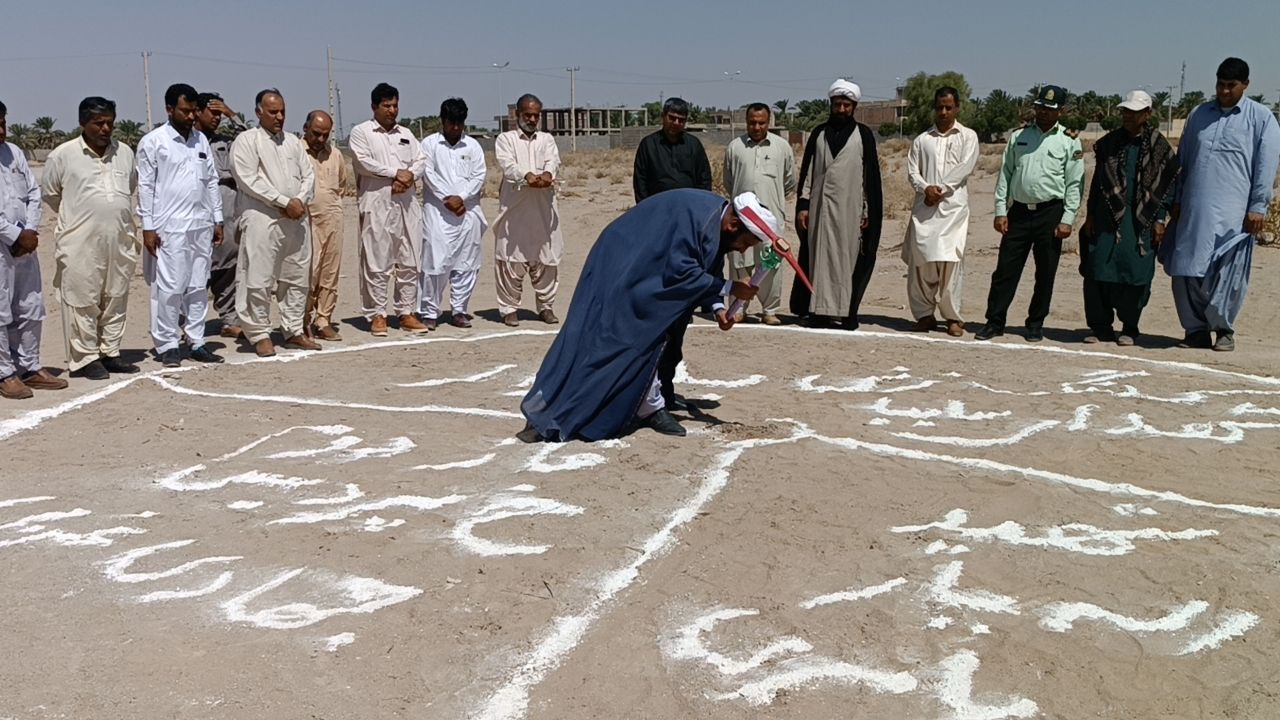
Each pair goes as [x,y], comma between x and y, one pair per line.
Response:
[1073,134]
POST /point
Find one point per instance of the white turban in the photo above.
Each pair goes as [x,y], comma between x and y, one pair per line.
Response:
[749,201]
[845,88]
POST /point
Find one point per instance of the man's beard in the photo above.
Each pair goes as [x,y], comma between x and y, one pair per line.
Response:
[840,121]
[528,129]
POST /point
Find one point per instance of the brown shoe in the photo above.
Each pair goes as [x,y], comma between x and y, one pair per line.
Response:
[955,328]
[378,326]
[13,389]
[301,342]
[43,380]
[409,323]
[231,331]
[548,316]
[770,319]
[264,348]
[460,320]
[925,324]
[327,332]
[510,320]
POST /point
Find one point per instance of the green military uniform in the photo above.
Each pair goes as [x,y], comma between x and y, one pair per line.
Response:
[1041,185]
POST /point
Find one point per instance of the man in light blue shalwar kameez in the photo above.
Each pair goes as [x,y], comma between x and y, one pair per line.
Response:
[1229,152]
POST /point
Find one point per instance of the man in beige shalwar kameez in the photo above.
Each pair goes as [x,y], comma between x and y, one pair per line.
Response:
[325,212]
[89,182]
[388,159]
[526,234]
[276,183]
[839,208]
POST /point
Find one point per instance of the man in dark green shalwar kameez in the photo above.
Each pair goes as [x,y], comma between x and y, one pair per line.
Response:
[1125,222]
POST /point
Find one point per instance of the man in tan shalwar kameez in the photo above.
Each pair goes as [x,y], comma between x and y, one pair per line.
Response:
[388,159]
[526,234]
[89,182]
[839,208]
[325,211]
[275,182]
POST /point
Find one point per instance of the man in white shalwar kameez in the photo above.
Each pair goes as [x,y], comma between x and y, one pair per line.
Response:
[526,235]
[181,210]
[22,310]
[939,165]
[276,184]
[388,161]
[454,222]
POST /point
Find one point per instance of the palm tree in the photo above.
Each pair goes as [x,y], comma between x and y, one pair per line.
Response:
[782,106]
[128,132]
[46,136]
[21,135]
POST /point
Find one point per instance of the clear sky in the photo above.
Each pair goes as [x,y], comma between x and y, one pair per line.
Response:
[56,52]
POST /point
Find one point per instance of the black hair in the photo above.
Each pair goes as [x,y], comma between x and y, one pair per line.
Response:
[203,100]
[527,98]
[180,91]
[4,110]
[1233,68]
[94,106]
[453,110]
[944,91]
[757,107]
[383,91]
[675,105]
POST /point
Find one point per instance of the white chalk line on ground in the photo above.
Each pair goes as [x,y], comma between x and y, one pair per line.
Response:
[34,418]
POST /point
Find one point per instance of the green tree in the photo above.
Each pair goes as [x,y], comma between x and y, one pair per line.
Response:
[888,130]
[1189,102]
[1259,98]
[995,115]
[808,113]
[128,132]
[47,136]
[918,92]
[782,106]
[21,135]
[655,112]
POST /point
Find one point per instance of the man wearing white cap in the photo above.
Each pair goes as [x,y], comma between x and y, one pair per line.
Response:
[645,272]
[1125,221]
[839,208]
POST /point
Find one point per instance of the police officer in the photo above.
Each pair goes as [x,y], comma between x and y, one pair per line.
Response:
[1038,193]
[210,109]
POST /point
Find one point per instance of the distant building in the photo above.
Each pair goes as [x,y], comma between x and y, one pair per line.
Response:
[590,121]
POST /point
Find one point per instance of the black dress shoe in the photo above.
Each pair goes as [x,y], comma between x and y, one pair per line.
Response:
[204,355]
[663,422]
[529,435]
[171,358]
[1200,340]
[677,404]
[1035,333]
[95,370]
[988,331]
[115,365]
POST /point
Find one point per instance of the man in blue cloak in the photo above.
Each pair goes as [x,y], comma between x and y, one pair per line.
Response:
[646,271]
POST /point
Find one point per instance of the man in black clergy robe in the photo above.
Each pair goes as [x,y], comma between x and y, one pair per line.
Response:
[647,271]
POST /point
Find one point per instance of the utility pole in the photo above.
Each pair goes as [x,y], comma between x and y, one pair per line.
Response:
[573,107]
[146,84]
[730,76]
[502,106]
[333,109]
[337,94]
[1170,113]
[1182,84]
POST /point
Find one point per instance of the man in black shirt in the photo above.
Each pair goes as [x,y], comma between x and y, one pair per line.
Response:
[671,159]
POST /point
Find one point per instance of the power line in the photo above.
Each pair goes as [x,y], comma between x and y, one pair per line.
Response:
[46,58]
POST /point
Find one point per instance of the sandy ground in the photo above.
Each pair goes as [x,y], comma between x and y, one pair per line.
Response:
[861,525]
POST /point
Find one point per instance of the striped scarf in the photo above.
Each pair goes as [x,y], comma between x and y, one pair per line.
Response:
[1157,168]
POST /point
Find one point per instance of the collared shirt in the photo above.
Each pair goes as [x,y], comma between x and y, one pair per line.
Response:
[663,165]
[452,242]
[95,246]
[333,179]
[766,168]
[1229,159]
[378,155]
[177,181]
[19,194]
[270,171]
[1040,167]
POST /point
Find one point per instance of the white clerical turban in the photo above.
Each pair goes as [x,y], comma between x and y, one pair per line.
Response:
[749,201]
[845,88]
